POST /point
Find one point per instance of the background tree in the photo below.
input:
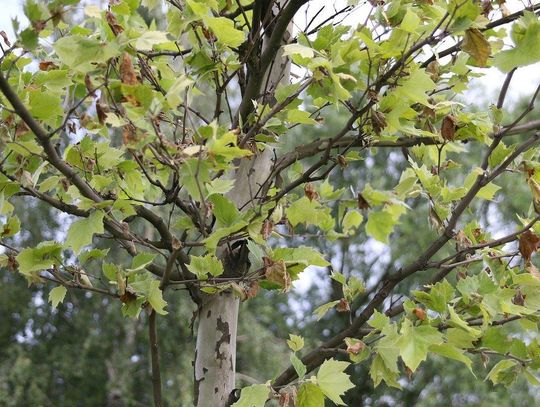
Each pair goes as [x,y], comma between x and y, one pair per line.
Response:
[135,134]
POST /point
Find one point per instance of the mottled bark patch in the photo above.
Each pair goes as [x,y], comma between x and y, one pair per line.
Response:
[223,327]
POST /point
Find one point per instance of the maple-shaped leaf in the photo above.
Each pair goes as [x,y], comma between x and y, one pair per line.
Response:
[333,381]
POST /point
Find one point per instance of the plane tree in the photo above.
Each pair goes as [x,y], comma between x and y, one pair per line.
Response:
[171,141]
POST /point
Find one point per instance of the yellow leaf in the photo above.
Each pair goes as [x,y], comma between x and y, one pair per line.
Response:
[476,45]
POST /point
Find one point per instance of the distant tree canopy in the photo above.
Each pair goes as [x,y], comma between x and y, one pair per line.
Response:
[176,162]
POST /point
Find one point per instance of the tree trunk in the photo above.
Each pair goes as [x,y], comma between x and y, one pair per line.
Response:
[215,355]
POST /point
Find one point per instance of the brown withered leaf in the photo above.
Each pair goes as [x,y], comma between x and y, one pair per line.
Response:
[252,290]
[113,23]
[378,121]
[420,313]
[362,203]
[462,240]
[343,306]
[128,296]
[528,243]
[276,272]
[88,83]
[129,134]
[47,65]
[433,70]
[127,72]
[310,192]
[409,373]
[519,298]
[267,229]
[475,44]
[39,25]
[284,399]
[21,129]
[342,161]
[101,114]
[356,348]
[448,127]
[486,7]
[12,264]
[5,38]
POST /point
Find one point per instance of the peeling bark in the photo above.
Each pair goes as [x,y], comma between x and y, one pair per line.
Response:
[215,357]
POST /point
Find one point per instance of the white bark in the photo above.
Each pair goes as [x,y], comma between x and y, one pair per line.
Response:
[215,358]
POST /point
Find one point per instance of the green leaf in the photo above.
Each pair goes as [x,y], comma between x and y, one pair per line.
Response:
[415,341]
[450,351]
[140,261]
[379,225]
[295,342]
[458,322]
[379,320]
[352,219]
[323,309]
[437,297]
[488,192]
[219,186]
[310,395]
[44,105]
[411,21]
[415,87]
[253,396]
[150,38]
[379,371]
[224,30]
[526,50]
[503,372]
[310,213]
[155,298]
[299,367]
[298,49]
[333,381]
[82,53]
[176,92]
[80,233]
[298,258]
[86,256]
[225,211]
[202,266]
[56,295]
[44,256]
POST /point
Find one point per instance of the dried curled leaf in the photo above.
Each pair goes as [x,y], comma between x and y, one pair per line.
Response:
[343,306]
[127,72]
[113,23]
[276,272]
[448,127]
[528,243]
[310,192]
[362,203]
[475,44]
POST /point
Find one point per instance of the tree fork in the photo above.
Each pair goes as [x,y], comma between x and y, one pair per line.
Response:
[215,355]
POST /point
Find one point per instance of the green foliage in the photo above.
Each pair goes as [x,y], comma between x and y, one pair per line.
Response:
[182,158]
